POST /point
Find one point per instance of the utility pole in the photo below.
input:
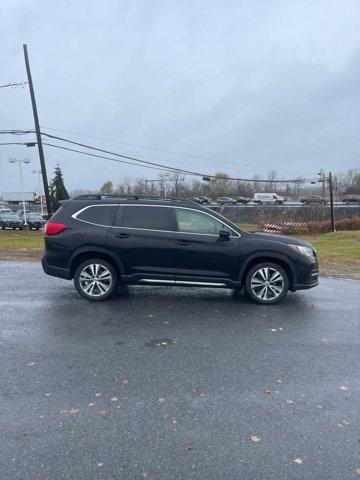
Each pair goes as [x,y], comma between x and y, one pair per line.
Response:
[333,229]
[38,133]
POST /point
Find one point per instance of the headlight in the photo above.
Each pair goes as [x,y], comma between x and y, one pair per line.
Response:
[309,252]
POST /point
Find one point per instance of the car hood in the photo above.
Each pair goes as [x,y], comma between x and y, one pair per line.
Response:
[282,239]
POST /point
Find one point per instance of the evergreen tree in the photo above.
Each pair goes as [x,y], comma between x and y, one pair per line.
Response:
[58,190]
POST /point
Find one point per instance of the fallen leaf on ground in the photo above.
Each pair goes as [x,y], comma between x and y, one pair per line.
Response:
[289,402]
[343,423]
[174,421]
[162,400]
[102,412]
[279,381]
[125,382]
[324,339]
[145,474]
[298,461]
[31,364]
[268,391]
[47,394]
[311,305]
[40,417]
[189,447]
[344,388]
[98,394]
[114,399]
[167,323]
[151,315]
[255,439]
[91,404]
[198,391]
[73,410]
[273,329]
[100,464]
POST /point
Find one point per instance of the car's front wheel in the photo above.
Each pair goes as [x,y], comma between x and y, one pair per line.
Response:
[267,283]
[95,279]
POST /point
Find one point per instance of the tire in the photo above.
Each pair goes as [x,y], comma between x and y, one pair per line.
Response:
[14,228]
[37,228]
[87,271]
[2,226]
[274,291]
[21,228]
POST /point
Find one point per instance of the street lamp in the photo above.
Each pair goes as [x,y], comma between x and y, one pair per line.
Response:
[20,161]
[39,172]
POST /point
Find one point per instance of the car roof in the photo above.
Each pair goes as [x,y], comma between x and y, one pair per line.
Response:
[134,200]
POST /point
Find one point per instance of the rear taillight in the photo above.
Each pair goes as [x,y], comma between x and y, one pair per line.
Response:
[53,228]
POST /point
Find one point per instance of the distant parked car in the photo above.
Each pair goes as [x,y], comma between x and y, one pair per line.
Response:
[226,201]
[312,199]
[242,200]
[35,220]
[271,197]
[351,199]
[20,212]
[10,220]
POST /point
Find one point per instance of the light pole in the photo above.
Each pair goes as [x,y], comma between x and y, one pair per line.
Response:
[20,161]
[39,172]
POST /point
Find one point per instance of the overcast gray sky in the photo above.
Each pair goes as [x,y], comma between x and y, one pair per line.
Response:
[257,84]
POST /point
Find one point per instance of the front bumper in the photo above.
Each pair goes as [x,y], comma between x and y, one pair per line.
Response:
[310,280]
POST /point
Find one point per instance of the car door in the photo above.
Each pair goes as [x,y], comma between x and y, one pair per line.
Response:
[201,253]
[143,239]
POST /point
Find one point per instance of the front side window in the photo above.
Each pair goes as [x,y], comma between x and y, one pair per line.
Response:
[190,221]
[98,214]
[146,217]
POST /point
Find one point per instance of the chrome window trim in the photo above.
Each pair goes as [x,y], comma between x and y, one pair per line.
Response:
[75,215]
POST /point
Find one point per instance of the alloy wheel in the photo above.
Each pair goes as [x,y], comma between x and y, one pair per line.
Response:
[95,279]
[267,283]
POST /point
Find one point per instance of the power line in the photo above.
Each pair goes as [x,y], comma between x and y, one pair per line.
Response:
[14,85]
[172,152]
[147,163]
[165,167]
[102,156]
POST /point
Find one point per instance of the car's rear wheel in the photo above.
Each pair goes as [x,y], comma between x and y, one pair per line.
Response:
[267,283]
[95,279]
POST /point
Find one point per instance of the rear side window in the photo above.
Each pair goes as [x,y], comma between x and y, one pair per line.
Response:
[98,214]
[149,218]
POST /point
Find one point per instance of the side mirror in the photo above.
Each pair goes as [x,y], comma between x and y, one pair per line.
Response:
[224,234]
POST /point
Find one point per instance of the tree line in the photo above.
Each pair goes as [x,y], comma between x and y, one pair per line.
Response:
[178,185]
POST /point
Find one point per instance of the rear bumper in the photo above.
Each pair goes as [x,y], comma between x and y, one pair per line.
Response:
[56,271]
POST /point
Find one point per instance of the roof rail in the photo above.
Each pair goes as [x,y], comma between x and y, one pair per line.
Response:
[132,197]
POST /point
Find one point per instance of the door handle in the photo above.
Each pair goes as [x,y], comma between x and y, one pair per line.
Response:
[184,243]
[122,235]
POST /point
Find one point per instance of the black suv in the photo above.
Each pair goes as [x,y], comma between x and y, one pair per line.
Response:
[102,242]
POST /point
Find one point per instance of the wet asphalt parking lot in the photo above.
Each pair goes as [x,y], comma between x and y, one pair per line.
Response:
[177,383]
